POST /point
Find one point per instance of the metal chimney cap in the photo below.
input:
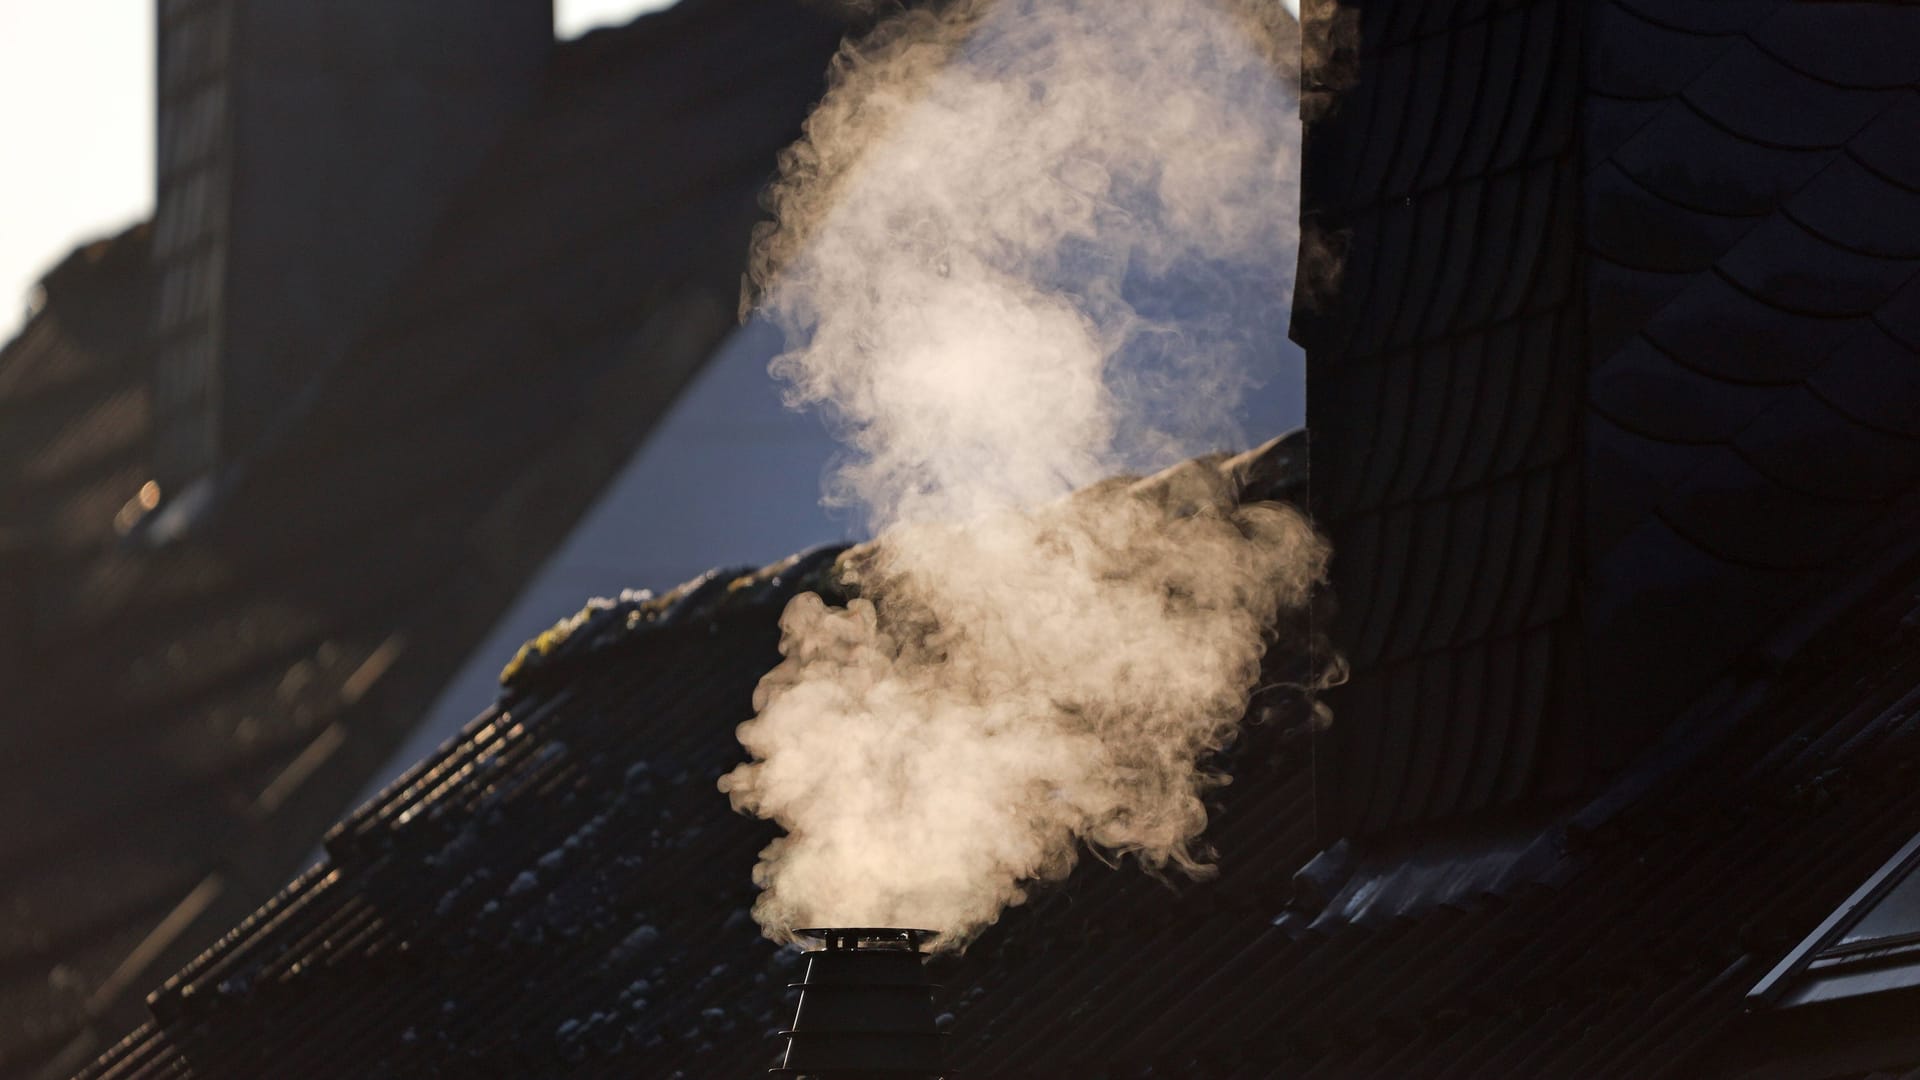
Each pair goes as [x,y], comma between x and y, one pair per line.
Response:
[844,938]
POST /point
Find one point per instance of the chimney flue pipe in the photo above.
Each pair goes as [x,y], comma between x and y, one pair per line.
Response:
[866,1008]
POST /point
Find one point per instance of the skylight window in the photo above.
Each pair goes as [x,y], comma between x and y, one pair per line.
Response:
[1869,945]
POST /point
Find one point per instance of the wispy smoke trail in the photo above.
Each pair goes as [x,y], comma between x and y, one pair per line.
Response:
[1022,246]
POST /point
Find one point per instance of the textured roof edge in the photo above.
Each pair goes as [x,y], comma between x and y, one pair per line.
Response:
[538,678]
[1274,470]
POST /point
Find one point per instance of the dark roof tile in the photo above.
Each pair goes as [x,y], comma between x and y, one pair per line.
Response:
[1465,93]
[1366,545]
[1494,244]
[1789,267]
[1394,415]
[1636,472]
[1722,331]
[1527,439]
[1500,357]
[1900,315]
[1467,530]
[1691,162]
[1427,561]
[1742,516]
[1634,58]
[1465,246]
[1389,242]
[1565,523]
[1887,145]
[1643,389]
[1432,237]
[1849,44]
[1662,605]
[1361,389]
[1760,99]
[1497,547]
[1644,231]
[1851,206]
[1388,117]
[1506,32]
[1438,685]
[1872,378]
[1463,392]
[1538,243]
[1802,443]
[1622,299]
[1612,122]
[1499,723]
[1471,687]
[1428,376]
[1433,73]
[1530,131]
[1397,742]
[1702,16]
[1536,536]
[1400,530]
[1389,27]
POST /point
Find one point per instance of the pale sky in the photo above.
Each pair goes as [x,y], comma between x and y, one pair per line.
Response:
[76,110]
[76,120]
[76,116]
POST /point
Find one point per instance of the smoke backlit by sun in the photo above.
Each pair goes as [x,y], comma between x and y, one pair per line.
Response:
[1012,255]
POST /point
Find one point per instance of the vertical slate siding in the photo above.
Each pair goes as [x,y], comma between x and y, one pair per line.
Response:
[1443,327]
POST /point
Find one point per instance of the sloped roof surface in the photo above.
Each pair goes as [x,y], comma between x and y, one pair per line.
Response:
[562,891]
[183,723]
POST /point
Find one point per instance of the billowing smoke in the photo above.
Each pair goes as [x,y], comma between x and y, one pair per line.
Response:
[1025,245]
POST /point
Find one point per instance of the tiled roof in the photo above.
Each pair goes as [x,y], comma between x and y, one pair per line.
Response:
[562,891]
[185,721]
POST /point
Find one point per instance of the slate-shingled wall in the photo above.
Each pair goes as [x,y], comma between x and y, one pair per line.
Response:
[1612,320]
[1753,193]
[1444,366]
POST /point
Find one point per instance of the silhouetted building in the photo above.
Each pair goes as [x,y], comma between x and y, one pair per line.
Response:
[420,282]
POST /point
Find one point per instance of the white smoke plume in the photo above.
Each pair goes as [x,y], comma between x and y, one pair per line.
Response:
[1025,245]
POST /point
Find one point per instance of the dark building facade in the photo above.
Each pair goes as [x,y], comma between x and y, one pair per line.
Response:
[420,279]
[1610,316]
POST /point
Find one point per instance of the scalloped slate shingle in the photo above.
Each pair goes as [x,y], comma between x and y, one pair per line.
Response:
[1624,340]
[1763,401]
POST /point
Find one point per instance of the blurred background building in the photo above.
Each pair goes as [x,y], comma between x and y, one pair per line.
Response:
[431,335]
[419,294]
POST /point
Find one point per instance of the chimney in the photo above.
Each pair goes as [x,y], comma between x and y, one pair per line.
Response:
[866,1008]
[305,151]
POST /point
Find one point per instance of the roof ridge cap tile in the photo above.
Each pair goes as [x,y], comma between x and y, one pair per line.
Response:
[549,656]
